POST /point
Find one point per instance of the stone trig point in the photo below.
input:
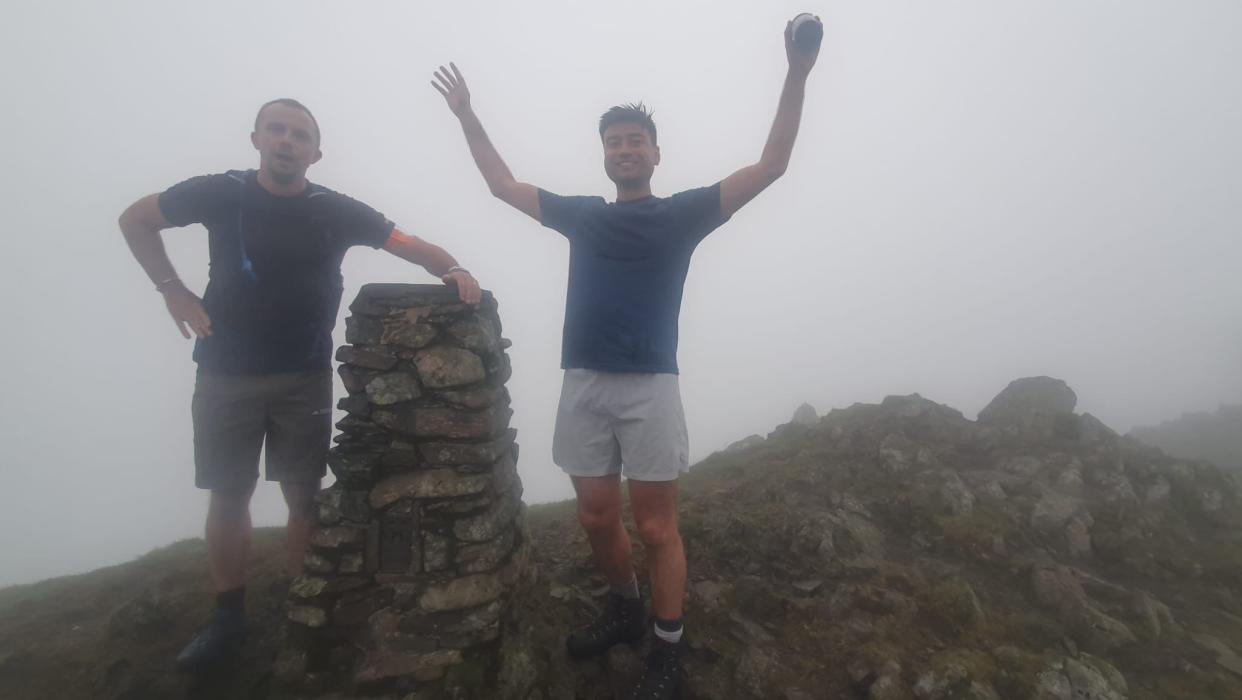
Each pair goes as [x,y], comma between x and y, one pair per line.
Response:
[420,541]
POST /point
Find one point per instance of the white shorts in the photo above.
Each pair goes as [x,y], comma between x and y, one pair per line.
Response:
[621,423]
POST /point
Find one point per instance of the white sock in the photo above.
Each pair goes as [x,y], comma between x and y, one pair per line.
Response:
[670,636]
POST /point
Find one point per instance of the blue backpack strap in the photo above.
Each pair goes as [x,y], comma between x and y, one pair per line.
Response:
[247,267]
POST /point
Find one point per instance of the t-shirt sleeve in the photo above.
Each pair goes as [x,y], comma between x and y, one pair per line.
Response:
[699,211]
[563,214]
[359,224]
[196,200]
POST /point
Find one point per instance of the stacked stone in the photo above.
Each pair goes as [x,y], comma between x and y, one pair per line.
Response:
[420,541]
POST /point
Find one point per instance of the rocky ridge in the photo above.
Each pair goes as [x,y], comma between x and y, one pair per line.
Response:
[899,551]
[890,551]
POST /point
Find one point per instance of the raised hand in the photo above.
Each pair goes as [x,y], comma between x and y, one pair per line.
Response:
[453,87]
[800,60]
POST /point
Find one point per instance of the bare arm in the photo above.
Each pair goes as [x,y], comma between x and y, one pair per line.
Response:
[520,195]
[743,185]
[141,224]
[435,260]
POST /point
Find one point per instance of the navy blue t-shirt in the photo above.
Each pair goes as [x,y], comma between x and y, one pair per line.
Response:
[627,267]
[275,284]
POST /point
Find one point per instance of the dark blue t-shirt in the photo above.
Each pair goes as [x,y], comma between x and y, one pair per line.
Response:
[275,284]
[627,268]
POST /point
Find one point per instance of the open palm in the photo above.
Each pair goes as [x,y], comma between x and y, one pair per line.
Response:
[453,87]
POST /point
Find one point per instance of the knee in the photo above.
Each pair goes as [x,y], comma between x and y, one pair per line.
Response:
[598,520]
[658,532]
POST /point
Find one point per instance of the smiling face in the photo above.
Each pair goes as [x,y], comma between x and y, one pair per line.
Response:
[287,140]
[630,156]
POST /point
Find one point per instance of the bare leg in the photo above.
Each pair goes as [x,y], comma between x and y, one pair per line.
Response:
[228,537]
[300,497]
[655,513]
[599,513]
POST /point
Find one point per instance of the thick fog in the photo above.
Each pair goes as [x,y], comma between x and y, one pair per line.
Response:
[980,191]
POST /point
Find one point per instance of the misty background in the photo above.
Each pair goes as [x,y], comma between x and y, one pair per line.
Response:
[980,191]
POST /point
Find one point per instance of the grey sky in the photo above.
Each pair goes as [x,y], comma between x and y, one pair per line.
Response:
[981,190]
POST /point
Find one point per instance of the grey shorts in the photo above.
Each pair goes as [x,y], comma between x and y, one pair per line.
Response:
[235,414]
[615,423]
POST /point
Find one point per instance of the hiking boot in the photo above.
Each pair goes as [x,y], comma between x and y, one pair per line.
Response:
[622,620]
[220,640]
[662,674]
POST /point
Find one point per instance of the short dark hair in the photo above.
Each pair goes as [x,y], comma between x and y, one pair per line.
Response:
[635,112]
[287,102]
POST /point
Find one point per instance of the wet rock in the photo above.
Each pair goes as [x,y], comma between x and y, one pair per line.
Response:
[941,683]
[1078,538]
[1056,586]
[338,536]
[899,453]
[953,606]
[445,366]
[446,422]
[465,592]
[307,586]
[432,483]
[888,688]
[369,359]
[1085,677]
[338,503]
[708,593]
[392,387]
[1226,657]
[1099,632]
[454,453]
[1053,511]
[954,495]
[317,564]
[435,552]
[307,615]
[475,334]
[487,556]
[473,397]
[487,525]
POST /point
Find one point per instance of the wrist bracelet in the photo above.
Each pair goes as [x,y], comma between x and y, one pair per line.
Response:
[455,268]
[159,286]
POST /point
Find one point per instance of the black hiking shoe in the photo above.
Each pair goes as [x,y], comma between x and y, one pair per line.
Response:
[623,620]
[662,676]
[219,641]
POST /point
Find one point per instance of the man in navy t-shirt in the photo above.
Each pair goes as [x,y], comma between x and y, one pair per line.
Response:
[264,336]
[620,410]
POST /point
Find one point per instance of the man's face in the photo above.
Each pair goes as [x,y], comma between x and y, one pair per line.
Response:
[287,142]
[629,156]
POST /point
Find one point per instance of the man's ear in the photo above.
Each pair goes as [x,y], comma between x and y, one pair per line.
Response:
[317,156]
[254,139]
[657,156]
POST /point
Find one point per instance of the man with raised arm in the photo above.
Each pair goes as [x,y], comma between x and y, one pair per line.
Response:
[620,409]
[264,336]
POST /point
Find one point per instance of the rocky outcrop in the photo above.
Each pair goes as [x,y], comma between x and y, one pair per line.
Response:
[900,550]
[890,551]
